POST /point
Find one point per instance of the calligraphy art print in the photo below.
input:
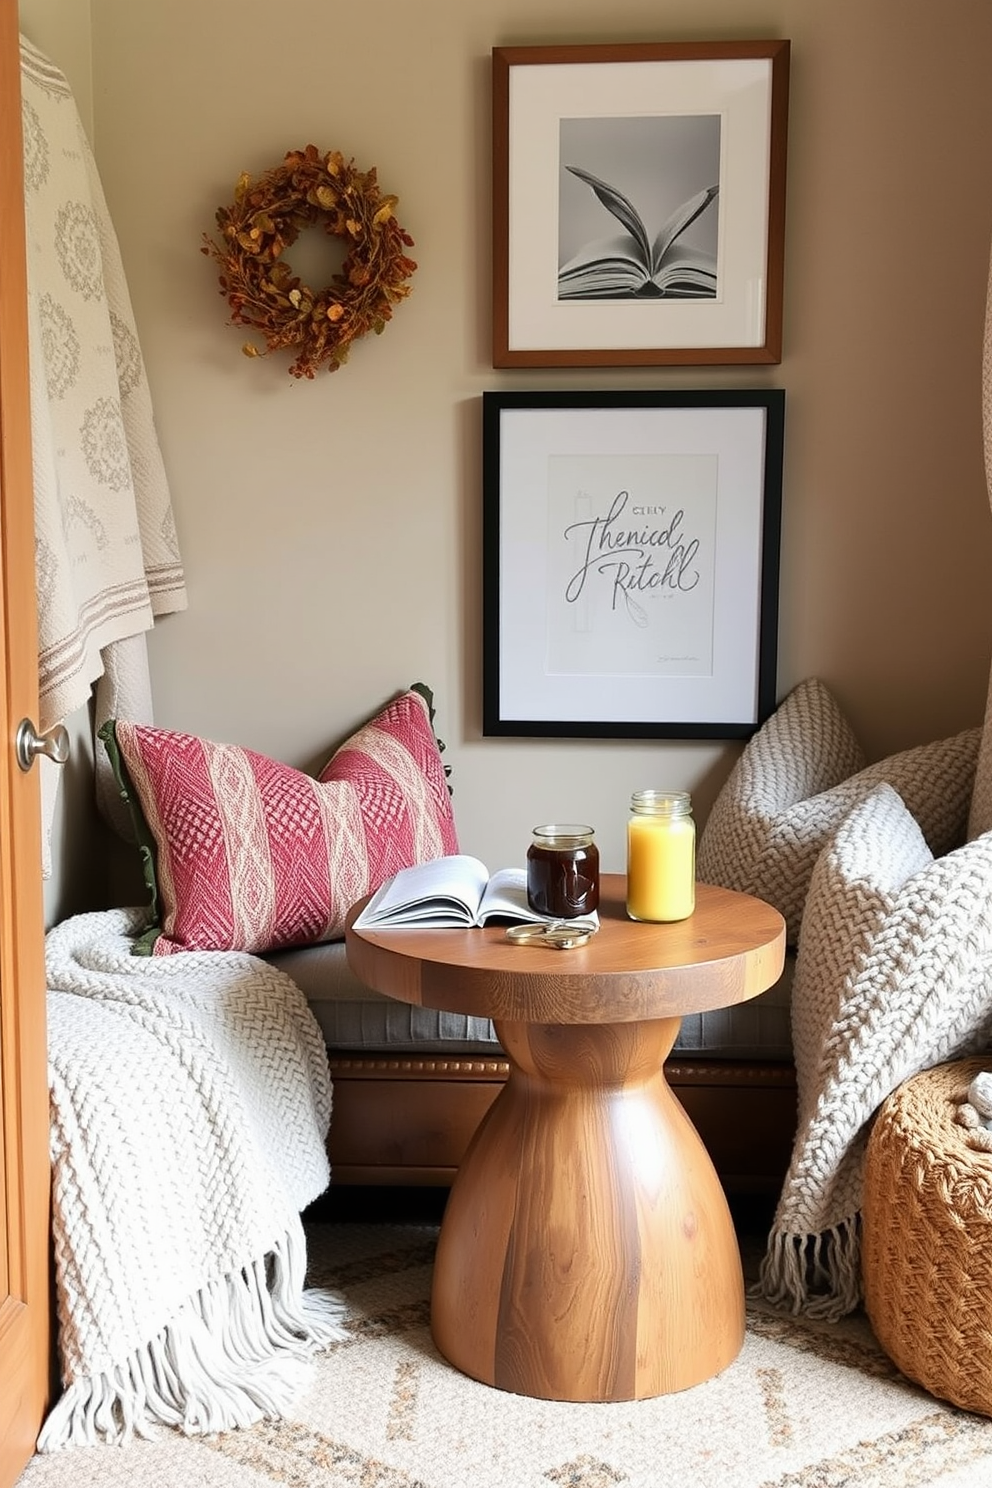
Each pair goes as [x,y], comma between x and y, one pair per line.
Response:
[631,548]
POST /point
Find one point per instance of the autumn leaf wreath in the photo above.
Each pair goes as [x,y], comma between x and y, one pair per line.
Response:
[266,218]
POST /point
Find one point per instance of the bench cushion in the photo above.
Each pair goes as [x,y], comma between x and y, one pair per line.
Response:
[355,1019]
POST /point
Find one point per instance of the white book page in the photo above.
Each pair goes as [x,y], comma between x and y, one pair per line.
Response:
[448,888]
[506,895]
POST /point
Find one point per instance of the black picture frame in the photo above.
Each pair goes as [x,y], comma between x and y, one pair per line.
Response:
[631,545]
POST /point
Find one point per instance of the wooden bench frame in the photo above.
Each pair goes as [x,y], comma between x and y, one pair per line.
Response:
[408,1120]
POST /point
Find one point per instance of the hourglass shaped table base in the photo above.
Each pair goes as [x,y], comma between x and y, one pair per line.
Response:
[587,1252]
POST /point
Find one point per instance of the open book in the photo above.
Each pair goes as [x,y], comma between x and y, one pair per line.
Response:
[455,892]
[630,264]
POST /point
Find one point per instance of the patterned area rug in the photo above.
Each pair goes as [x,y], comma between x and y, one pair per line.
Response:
[804,1406]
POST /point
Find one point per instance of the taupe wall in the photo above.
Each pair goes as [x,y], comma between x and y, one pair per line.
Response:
[331,530]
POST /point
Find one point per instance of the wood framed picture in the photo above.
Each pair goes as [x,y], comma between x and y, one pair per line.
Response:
[630,563]
[639,203]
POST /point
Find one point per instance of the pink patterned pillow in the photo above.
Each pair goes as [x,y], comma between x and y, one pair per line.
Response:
[244,853]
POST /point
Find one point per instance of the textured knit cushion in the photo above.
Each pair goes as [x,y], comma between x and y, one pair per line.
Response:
[798,778]
[244,853]
[853,888]
[806,746]
[980,818]
[980,814]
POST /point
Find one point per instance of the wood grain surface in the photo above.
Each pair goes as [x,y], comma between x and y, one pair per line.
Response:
[587,1251]
[730,949]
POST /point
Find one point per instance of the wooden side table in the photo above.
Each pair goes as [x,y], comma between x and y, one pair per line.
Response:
[587,1252]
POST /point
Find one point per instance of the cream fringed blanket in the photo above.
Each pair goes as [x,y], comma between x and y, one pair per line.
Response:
[190,1100]
[107,554]
[894,975]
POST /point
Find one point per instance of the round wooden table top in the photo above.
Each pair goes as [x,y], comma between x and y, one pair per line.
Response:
[731,948]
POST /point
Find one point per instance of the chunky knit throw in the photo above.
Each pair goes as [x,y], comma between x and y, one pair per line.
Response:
[893,975]
[190,1101]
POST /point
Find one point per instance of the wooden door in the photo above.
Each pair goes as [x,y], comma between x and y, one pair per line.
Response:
[24,1168]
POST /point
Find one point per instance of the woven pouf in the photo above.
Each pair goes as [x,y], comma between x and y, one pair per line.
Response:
[926,1250]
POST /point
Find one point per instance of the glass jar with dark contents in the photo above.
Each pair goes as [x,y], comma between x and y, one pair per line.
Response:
[563,871]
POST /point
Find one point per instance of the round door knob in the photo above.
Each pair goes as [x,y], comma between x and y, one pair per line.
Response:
[54,744]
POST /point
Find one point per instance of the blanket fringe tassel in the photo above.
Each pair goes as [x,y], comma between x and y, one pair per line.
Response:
[818,1275]
[236,1353]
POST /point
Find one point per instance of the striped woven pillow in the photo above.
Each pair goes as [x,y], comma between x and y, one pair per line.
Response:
[244,853]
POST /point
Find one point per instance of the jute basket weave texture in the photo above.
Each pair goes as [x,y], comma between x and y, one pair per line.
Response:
[927,1238]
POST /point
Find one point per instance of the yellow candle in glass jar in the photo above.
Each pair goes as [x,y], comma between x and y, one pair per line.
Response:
[661,856]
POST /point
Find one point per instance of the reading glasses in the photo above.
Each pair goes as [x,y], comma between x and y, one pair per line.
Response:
[557,934]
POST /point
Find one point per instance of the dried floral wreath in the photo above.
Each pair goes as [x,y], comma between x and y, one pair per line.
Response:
[268,216]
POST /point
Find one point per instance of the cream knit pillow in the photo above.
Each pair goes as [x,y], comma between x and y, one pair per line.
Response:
[799,776]
[980,815]
[854,888]
[980,818]
[805,747]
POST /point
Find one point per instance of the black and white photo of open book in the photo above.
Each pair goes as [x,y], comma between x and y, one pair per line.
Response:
[629,264]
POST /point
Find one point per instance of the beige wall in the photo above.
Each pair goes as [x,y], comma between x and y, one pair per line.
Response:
[63,29]
[331,530]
